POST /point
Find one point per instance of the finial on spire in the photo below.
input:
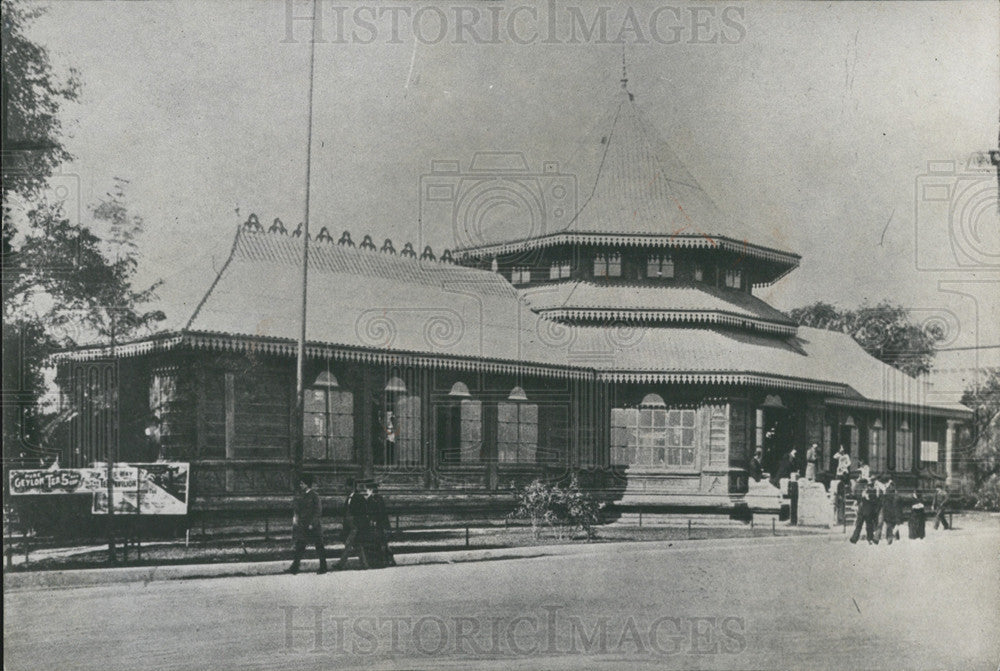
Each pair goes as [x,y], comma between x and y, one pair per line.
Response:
[625,76]
[624,71]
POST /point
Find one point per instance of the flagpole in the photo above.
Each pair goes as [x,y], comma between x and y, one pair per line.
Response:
[299,432]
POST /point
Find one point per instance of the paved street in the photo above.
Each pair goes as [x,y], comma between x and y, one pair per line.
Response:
[806,602]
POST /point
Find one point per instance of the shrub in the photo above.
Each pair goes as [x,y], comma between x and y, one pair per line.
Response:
[549,504]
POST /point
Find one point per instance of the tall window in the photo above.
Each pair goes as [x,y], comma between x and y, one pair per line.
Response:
[328,422]
[734,278]
[520,275]
[653,436]
[262,402]
[699,273]
[559,270]
[878,454]
[608,265]
[659,266]
[460,427]
[517,429]
[400,426]
[904,447]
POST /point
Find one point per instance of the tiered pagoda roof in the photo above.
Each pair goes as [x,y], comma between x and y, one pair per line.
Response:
[644,196]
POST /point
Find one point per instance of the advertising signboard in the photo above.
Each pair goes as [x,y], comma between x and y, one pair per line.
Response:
[156,489]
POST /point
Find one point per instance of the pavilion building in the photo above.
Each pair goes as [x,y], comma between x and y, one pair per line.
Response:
[622,343]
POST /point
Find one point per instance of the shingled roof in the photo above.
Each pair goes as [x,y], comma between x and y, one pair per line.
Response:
[644,196]
[376,306]
[677,302]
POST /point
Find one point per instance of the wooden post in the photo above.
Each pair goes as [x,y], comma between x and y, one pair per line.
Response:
[689,529]
[773,530]
[466,536]
[267,528]
[640,519]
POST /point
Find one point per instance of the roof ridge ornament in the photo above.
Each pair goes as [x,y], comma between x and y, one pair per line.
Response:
[368,243]
[345,239]
[388,248]
[428,254]
[277,227]
[446,257]
[252,223]
[408,251]
[324,235]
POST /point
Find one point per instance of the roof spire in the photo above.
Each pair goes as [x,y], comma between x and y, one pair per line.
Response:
[625,76]
[624,71]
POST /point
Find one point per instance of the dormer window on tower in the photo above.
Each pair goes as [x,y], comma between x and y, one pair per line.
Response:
[734,278]
[608,265]
[659,266]
[559,270]
[520,275]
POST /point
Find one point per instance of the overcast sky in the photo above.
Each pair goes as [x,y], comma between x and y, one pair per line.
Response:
[816,120]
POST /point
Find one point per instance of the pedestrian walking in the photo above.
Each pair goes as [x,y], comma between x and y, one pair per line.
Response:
[888,516]
[380,517]
[918,517]
[940,504]
[306,524]
[868,506]
[353,516]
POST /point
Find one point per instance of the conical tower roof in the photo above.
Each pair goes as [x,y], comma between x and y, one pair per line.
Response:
[644,195]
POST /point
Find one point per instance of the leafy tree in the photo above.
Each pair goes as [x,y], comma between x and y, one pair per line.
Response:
[982,451]
[884,330]
[70,286]
[32,96]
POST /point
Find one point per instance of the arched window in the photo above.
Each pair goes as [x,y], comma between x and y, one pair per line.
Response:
[659,266]
[328,421]
[517,428]
[460,427]
[878,453]
[904,447]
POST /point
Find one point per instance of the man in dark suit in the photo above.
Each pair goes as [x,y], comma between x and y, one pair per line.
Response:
[889,515]
[380,518]
[306,524]
[786,466]
[756,467]
[868,507]
[939,505]
[353,517]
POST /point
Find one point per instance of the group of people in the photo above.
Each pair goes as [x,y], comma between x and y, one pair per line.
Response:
[880,509]
[365,527]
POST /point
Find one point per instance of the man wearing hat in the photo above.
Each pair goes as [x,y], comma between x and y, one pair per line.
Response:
[354,519]
[306,525]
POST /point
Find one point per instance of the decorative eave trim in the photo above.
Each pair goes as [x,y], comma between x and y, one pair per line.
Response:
[870,404]
[635,240]
[727,378]
[681,316]
[230,343]
[157,343]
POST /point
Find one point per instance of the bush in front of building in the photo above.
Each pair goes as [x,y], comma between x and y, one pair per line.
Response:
[566,509]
